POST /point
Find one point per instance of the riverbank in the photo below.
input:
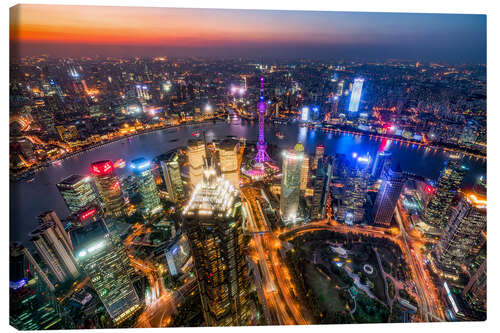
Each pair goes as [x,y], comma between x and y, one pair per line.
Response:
[29,172]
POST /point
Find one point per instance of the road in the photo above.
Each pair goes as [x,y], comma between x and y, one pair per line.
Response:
[159,313]
[429,299]
[274,276]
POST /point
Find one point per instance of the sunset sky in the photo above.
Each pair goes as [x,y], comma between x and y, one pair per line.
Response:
[136,31]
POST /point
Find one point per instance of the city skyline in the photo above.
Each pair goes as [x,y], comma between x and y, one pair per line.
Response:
[171,191]
[128,31]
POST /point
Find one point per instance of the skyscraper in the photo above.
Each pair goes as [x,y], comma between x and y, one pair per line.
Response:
[462,233]
[321,189]
[450,181]
[107,267]
[388,196]
[319,153]
[195,156]
[290,183]
[172,176]
[356,95]
[109,188]
[77,192]
[32,304]
[228,158]
[382,159]
[304,173]
[475,290]
[51,216]
[213,225]
[54,250]
[146,184]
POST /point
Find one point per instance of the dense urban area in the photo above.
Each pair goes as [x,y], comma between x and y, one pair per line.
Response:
[229,230]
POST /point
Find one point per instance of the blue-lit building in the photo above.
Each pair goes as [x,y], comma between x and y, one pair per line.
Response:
[146,184]
[388,196]
[356,95]
[382,159]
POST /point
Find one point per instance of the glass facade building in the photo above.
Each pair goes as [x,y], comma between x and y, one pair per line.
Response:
[213,225]
[107,266]
[109,188]
[356,95]
[290,183]
[172,176]
[462,233]
[450,180]
[388,196]
[146,184]
[77,192]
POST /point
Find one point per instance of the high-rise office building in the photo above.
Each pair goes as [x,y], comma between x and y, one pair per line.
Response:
[228,159]
[108,268]
[388,196]
[172,176]
[51,216]
[319,153]
[450,180]
[462,233]
[32,304]
[213,224]
[290,183]
[304,173]
[77,192]
[195,156]
[23,266]
[321,188]
[356,95]
[382,160]
[146,184]
[52,246]
[109,188]
[475,290]
[355,177]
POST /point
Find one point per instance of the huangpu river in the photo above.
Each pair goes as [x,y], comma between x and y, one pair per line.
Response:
[28,200]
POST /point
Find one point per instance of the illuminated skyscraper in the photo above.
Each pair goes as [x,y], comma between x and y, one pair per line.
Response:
[195,156]
[475,290]
[388,196]
[77,192]
[382,159]
[228,158]
[462,233]
[319,153]
[352,207]
[356,95]
[32,305]
[109,188]
[52,246]
[321,189]
[451,178]
[290,183]
[172,176]
[146,185]
[108,268]
[213,224]
[304,173]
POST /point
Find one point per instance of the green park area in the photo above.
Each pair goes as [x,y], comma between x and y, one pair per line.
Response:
[341,280]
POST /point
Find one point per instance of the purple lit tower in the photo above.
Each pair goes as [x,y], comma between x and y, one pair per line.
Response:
[262,155]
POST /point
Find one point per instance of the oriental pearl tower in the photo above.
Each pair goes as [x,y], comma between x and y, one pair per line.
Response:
[262,155]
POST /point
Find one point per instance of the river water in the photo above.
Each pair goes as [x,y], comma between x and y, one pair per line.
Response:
[28,200]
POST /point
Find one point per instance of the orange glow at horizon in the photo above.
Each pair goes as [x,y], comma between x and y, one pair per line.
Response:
[144,26]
